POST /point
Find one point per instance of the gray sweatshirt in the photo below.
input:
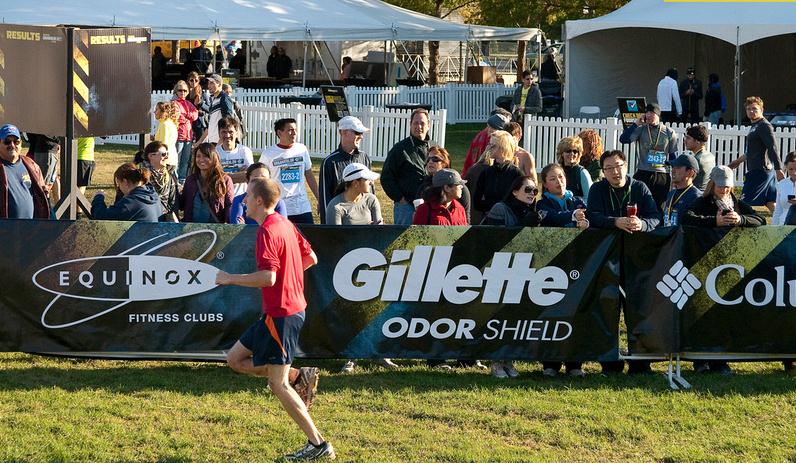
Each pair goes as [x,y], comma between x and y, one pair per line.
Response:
[761,148]
[652,141]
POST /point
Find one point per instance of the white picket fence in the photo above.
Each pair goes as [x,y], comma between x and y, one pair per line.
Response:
[465,103]
[542,134]
[321,136]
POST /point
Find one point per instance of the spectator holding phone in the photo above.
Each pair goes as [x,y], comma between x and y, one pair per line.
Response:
[718,206]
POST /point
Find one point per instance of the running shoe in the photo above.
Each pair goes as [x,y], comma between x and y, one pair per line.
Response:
[348,367]
[508,367]
[388,364]
[498,371]
[312,452]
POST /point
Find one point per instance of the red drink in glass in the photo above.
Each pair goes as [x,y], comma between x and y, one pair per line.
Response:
[632,209]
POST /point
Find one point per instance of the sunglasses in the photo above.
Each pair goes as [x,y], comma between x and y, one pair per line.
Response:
[162,153]
[10,141]
[433,159]
[531,190]
[573,151]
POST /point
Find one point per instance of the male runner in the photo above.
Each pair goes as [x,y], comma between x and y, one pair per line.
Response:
[266,348]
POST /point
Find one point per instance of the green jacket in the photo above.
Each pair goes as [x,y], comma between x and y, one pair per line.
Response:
[404,169]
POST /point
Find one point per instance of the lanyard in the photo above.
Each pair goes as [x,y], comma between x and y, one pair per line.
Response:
[675,201]
[658,137]
[624,200]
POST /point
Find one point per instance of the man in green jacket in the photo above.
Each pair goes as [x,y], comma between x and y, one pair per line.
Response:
[404,168]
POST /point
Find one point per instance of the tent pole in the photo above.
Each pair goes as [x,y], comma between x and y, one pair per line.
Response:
[325,69]
[304,71]
[737,76]
[384,63]
[461,63]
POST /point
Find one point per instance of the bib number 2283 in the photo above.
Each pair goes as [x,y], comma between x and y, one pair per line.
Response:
[290,175]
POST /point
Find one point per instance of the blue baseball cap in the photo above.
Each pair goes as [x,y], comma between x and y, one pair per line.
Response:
[7,130]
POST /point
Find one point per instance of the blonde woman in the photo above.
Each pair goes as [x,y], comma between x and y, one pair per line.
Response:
[500,172]
[579,181]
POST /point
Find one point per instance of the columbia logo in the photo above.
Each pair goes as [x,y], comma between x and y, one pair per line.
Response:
[679,284]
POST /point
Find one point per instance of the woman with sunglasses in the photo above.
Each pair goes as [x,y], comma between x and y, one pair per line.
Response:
[498,177]
[436,160]
[162,179]
[138,201]
[201,102]
[208,191]
[188,114]
[578,179]
[518,206]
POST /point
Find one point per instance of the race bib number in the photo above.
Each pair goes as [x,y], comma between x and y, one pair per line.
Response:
[289,175]
[656,158]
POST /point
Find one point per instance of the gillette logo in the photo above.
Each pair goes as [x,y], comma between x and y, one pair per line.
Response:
[423,274]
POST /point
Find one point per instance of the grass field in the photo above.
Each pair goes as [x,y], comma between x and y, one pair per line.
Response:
[63,410]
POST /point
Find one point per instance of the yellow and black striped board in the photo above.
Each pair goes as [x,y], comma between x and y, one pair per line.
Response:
[33,66]
[112,79]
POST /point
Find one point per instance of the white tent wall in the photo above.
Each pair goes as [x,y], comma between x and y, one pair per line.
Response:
[604,65]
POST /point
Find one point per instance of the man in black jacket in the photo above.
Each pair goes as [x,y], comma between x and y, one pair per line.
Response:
[331,175]
[404,168]
[610,198]
[611,204]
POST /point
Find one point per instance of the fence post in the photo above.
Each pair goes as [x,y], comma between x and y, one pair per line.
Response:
[612,131]
[451,103]
[297,114]
[443,116]
[370,139]
[402,94]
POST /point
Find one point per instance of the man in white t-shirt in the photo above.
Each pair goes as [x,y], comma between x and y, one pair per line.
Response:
[290,165]
[235,158]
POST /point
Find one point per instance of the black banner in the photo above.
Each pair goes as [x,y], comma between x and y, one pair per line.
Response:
[418,292]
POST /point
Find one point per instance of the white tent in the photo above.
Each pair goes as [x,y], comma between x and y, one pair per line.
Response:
[626,53]
[296,20]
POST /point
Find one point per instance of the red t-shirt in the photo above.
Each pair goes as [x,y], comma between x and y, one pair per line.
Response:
[279,249]
[477,148]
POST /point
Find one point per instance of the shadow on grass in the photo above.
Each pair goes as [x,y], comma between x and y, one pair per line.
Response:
[211,378]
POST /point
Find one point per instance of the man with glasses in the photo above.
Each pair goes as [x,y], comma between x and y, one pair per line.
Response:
[352,130]
[527,98]
[22,193]
[657,144]
[618,201]
[690,94]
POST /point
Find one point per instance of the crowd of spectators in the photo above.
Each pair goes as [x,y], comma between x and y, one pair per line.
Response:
[198,168]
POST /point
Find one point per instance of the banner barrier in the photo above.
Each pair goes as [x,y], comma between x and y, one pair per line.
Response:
[418,292]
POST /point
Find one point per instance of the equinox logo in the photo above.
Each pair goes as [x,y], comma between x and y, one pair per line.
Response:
[126,278]
[418,276]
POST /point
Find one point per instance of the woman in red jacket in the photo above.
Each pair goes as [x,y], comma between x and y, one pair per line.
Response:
[441,204]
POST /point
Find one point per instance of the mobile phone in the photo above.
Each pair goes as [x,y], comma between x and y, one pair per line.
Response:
[725,211]
[790,197]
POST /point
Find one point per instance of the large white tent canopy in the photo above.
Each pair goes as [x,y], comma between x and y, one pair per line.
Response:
[626,52]
[283,20]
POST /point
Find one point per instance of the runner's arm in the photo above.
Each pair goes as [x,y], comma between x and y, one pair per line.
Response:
[261,279]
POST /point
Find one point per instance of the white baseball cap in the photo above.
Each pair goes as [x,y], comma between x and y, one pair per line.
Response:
[352,123]
[356,170]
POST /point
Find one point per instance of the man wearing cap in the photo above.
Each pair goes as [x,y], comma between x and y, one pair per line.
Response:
[718,206]
[657,143]
[669,97]
[683,193]
[696,139]
[22,193]
[220,106]
[405,167]
[497,121]
[331,175]
[690,94]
